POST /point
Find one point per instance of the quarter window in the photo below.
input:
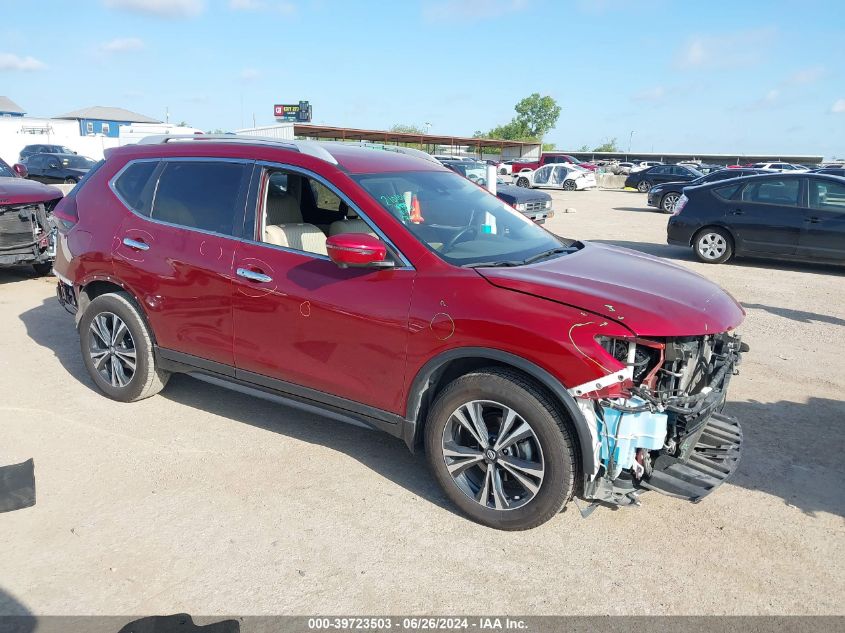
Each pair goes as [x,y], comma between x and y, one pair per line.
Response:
[134,186]
[727,192]
[200,195]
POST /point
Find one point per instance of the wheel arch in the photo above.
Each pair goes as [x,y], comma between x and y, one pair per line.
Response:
[97,286]
[445,367]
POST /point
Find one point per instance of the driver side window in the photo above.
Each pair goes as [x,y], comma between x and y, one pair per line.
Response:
[300,213]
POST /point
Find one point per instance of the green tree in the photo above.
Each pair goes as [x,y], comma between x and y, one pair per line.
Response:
[537,114]
[609,145]
[403,128]
[548,147]
[584,148]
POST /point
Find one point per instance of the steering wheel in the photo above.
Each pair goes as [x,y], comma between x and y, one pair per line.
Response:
[453,242]
[481,182]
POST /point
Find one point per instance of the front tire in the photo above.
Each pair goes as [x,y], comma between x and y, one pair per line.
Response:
[522,181]
[669,201]
[117,349]
[713,245]
[569,185]
[70,180]
[500,449]
[644,186]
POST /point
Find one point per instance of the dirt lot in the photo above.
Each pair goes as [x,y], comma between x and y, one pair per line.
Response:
[209,501]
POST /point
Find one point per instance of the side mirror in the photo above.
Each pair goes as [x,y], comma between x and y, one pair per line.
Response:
[357,250]
[21,170]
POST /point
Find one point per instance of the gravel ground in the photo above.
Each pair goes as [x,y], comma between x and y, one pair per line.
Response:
[210,501]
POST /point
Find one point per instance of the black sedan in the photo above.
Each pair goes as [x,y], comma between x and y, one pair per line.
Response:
[536,205]
[57,168]
[833,171]
[666,195]
[782,215]
[644,179]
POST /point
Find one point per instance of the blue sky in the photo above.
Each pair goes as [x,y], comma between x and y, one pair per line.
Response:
[706,76]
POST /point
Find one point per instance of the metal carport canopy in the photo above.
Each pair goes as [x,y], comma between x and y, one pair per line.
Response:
[382,136]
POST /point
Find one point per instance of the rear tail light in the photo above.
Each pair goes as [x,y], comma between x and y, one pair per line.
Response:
[66,214]
[680,204]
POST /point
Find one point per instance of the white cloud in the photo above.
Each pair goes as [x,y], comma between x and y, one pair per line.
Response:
[122,45]
[10,61]
[279,6]
[250,74]
[838,106]
[160,8]
[658,93]
[451,10]
[739,48]
[805,76]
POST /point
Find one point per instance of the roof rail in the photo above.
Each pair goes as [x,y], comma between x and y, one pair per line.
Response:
[303,147]
[410,151]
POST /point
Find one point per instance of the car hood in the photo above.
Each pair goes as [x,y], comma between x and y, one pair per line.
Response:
[649,295]
[21,191]
[521,194]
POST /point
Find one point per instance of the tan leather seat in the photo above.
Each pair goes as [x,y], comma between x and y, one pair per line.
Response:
[350,224]
[299,236]
[282,208]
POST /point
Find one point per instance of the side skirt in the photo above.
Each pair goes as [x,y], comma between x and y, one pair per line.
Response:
[340,408]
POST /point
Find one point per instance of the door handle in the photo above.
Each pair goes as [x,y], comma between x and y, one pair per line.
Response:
[813,220]
[136,244]
[253,276]
[737,212]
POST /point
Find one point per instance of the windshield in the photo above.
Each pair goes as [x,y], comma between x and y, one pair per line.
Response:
[462,223]
[78,162]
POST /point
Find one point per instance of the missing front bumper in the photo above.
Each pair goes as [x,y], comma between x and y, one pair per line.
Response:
[713,459]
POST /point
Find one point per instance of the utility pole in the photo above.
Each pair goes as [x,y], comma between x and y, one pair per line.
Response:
[630,138]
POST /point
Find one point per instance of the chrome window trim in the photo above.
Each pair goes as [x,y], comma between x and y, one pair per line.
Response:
[406,264]
[206,159]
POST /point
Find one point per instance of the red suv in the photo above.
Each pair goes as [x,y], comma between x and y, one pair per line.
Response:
[386,288]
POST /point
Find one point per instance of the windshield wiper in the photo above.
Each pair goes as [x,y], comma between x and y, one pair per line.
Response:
[548,253]
[491,264]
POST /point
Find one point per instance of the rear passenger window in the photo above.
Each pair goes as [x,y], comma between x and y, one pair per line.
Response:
[827,195]
[201,195]
[783,192]
[132,183]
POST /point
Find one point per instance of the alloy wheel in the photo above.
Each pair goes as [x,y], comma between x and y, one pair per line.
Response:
[112,349]
[522,182]
[493,455]
[644,186]
[669,202]
[712,246]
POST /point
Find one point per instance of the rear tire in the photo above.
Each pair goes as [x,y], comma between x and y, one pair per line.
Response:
[713,245]
[71,181]
[530,474]
[643,186]
[117,349]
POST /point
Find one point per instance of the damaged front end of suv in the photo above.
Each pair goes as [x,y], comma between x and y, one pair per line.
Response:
[659,424]
[27,233]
